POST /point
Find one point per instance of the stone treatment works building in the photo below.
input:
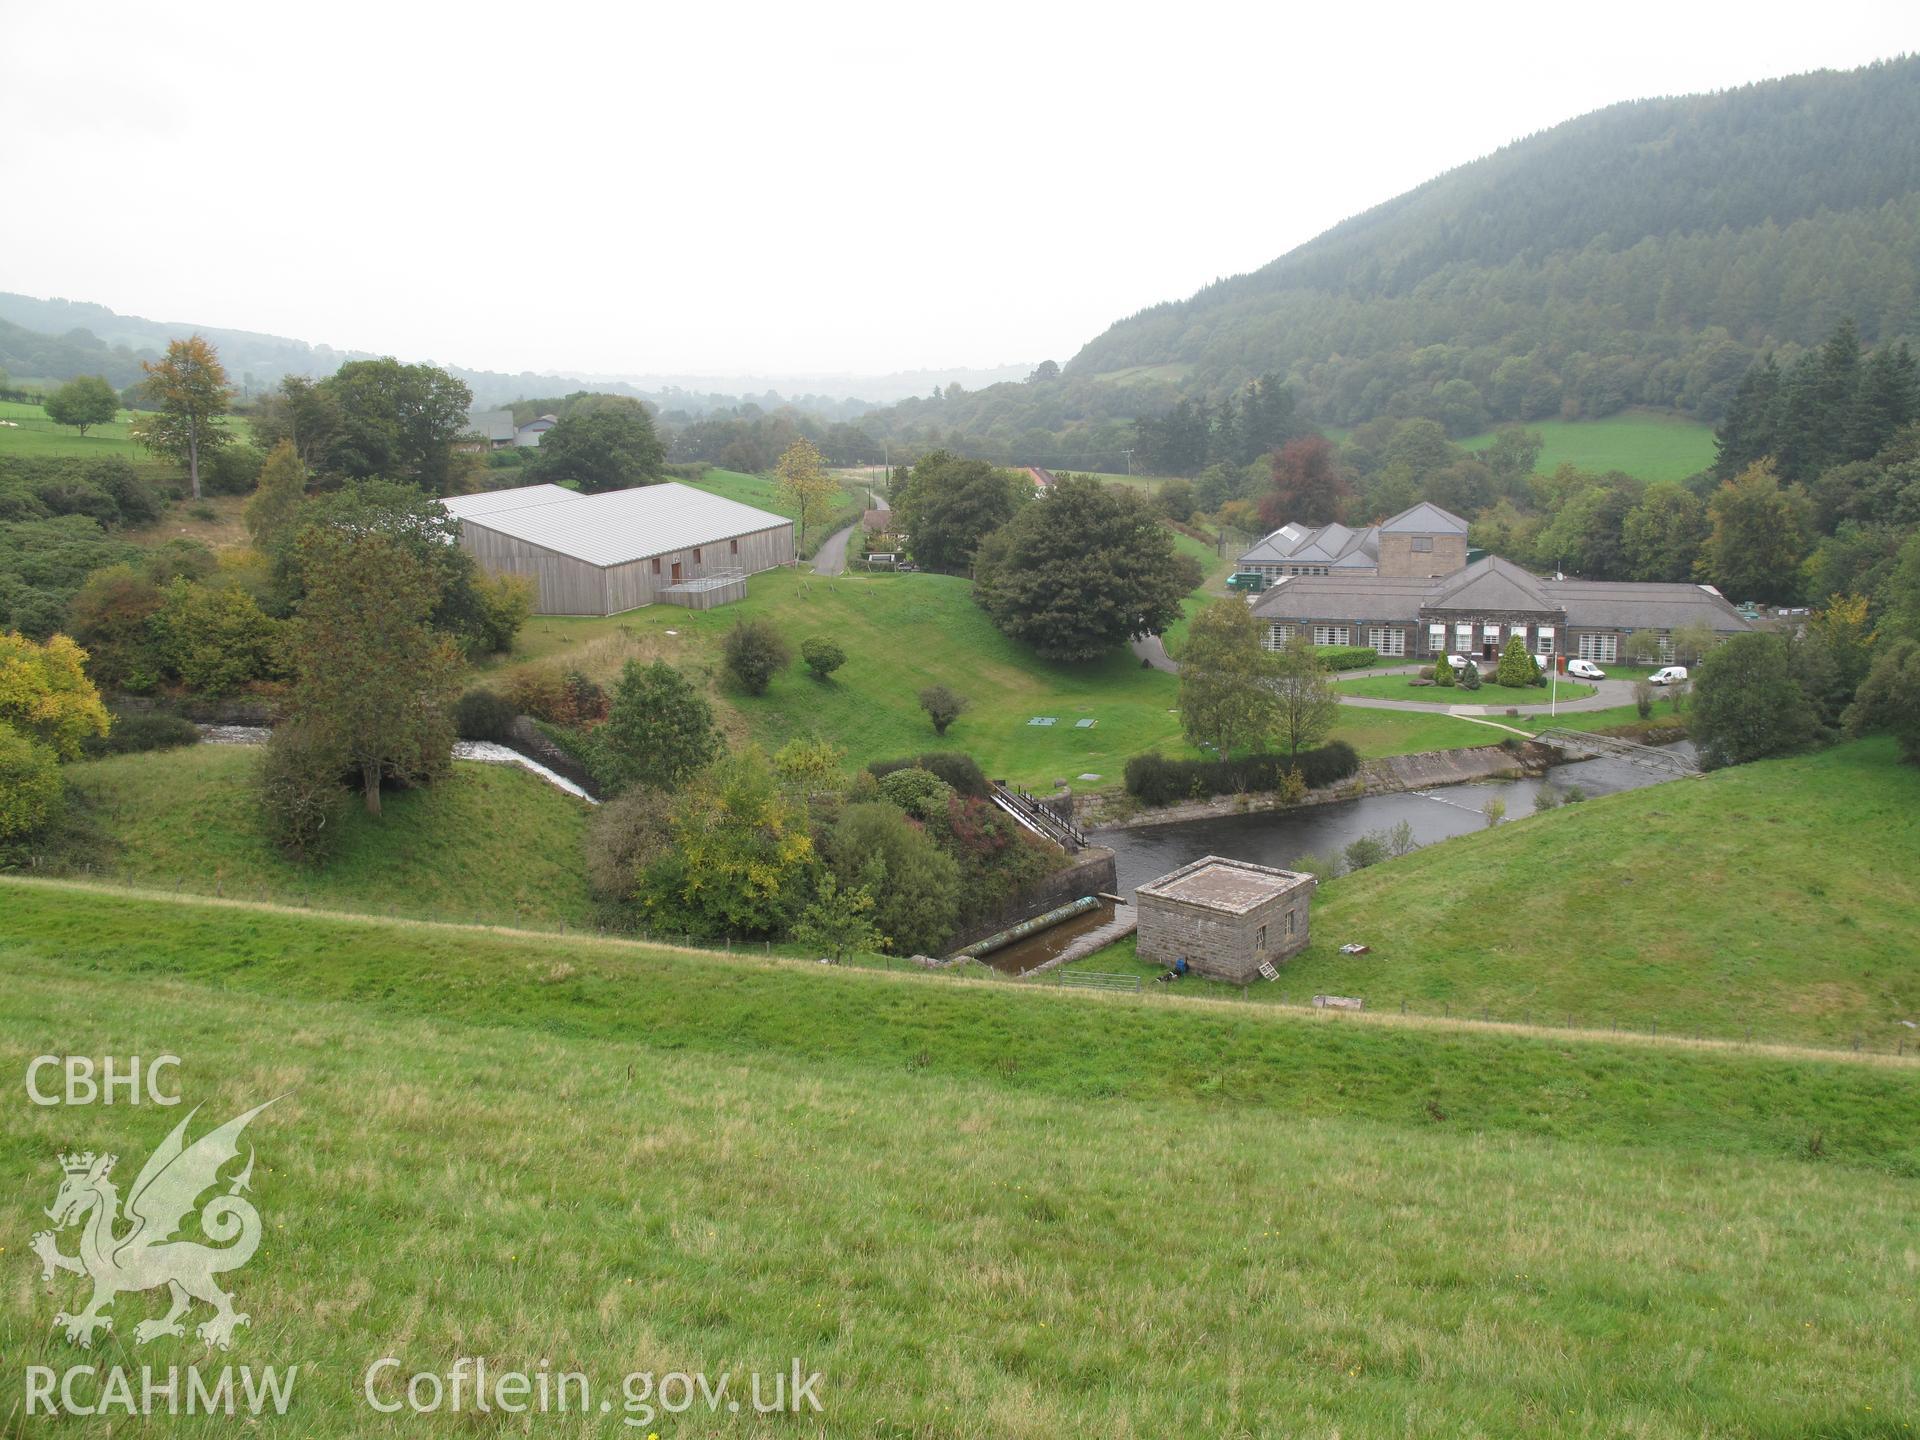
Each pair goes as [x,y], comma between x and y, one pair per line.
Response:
[1226,917]
[619,550]
[1418,543]
[1476,611]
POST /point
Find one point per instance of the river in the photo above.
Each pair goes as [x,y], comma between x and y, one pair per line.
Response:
[1280,838]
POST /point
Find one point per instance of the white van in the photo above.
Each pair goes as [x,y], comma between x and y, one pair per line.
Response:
[1670,675]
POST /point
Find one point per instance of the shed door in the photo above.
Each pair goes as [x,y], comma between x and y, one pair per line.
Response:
[676,572]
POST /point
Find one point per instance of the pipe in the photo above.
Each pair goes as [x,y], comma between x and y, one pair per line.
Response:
[1003,938]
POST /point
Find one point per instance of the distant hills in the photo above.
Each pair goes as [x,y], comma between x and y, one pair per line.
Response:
[50,340]
[1645,254]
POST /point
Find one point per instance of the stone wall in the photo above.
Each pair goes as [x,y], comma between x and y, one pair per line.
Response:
[1091,873]
[1220,946]
[1399,558]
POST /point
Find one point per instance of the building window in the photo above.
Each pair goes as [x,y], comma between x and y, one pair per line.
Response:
[1436,637]
[1602,649]
[656,564]
[733,547]
[1330,635]
[1260,944]
[1490,634]
[696,554]
[1278,633]
[1290,920]
[1423,544]
[1666,647]
[1388,640]
[1463,636]
[1543,641]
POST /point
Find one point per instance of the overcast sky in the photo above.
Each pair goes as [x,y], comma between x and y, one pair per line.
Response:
[731,189]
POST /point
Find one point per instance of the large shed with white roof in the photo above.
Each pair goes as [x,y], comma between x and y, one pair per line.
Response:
[602,554]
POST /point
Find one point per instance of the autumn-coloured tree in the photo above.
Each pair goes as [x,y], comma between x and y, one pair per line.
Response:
[45,693]
[805,485]
[189,386]
[1308,486]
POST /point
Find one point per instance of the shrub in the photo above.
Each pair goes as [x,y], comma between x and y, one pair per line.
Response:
[1574,795]
[1643,698]
[1545,798]
[1321,867]
[141,731]
[558,697]
[943,706]
[1495,810]
[1443,675]
[1517,667]
[215,641]
[503,603]
[624,836]
[1367,850]
[660,731]
[1156,780]
[920,793]
[1347,657]
[586,701]
[754,653]
[30,785]
[231,470]
[1426,672]
[482,715]
[823,656]
[302,799]
[1470,677]
[915,884]
[956,767]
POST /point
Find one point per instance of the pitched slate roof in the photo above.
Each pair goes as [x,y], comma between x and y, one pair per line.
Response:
[620,525]
[1644,605]
[1342,597]
[1425,518]
[1491,585]
[1324,545]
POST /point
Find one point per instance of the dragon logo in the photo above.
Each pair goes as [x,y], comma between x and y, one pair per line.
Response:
[140,1250]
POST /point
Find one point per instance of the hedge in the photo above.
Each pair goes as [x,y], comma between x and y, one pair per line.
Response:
[1156,780]
[1347,657]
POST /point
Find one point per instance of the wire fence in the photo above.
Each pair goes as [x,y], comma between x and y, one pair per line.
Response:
[520,916]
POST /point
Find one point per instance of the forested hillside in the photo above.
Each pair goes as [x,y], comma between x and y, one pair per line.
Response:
[1646,254]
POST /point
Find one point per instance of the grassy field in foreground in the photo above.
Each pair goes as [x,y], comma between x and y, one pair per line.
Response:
[1648,444]
[904,632]
[1779,896]
[977,1209]
[490,841]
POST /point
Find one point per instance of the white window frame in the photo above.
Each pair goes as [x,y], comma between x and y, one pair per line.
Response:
[1463,636]
[1601,649]
[1387,639]
[1278,634]
[1489,634]
[1437,636]
[1543,640]
[1323,635]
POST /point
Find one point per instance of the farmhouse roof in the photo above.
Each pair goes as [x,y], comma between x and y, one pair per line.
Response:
[623,525]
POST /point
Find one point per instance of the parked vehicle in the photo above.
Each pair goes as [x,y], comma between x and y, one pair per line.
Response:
[1586,670]
[1458,662]
[1668,675]
[1252,581]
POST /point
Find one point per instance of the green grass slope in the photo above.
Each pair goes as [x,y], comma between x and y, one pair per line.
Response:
[904,632]
[977,1209]
[1780,895]
[32,433]
[490,841]
[1650,445]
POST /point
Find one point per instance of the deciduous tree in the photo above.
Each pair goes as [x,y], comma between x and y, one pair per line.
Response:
[1080,572]
[1306,706]
[610,446]
[273,513]
[1747,705]
[1308,486]
[376,681]
[45,693]
[83,402]
[805,486]
[1758,538]
[1889,698]
[1227,694]
[188,388]
[659,730]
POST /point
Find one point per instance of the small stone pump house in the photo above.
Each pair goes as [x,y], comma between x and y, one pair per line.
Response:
[1227,917]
